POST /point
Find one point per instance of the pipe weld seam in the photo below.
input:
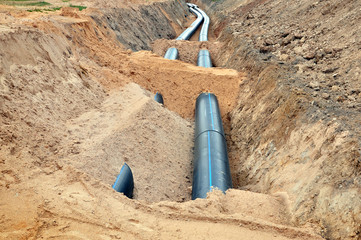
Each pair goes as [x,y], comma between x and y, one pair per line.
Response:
[209,130]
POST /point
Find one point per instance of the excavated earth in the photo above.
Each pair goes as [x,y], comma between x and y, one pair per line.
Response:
[76,102]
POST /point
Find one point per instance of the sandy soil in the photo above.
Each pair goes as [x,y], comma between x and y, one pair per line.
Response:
[75,105]
[131,127]
[188,50]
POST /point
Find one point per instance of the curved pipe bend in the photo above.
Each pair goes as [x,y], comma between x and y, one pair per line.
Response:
[204,56]
[186,35]
[203,35]
[192,5]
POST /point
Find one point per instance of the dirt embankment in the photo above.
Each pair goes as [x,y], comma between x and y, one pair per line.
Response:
[297,124]
[137,27]
[188,50]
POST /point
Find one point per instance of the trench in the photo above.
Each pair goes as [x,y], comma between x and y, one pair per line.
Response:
[202,80]
[188,52]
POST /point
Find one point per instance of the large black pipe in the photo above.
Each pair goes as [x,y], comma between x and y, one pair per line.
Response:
[211,165]
[124,182]
[204,59]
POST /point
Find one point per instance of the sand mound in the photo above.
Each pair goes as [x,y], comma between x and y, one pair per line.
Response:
[73,205]
[131,127]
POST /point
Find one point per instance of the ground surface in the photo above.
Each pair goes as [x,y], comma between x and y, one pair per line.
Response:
[76,103]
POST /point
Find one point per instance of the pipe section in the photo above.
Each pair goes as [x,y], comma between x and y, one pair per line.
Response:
[186,35]
[159,98]
[204,59]
[203,35]
[124,182]
[211,165]
[172,54]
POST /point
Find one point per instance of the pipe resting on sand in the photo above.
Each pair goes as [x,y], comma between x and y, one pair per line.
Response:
[211,165]
[204,59]
[171,54]
[124,182]
[159,98]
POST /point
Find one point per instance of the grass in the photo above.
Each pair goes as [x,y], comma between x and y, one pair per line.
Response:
[78,7]
[54,9]
[65,0]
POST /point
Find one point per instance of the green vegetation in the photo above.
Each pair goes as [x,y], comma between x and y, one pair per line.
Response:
[54,9]
[66,0]
[78,7]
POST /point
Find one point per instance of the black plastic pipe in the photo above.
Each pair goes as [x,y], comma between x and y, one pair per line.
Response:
[204,56]
[159,98]
[172,54]
[124,182]
[204,59]
[211,165]
[186,35]
[203,35]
